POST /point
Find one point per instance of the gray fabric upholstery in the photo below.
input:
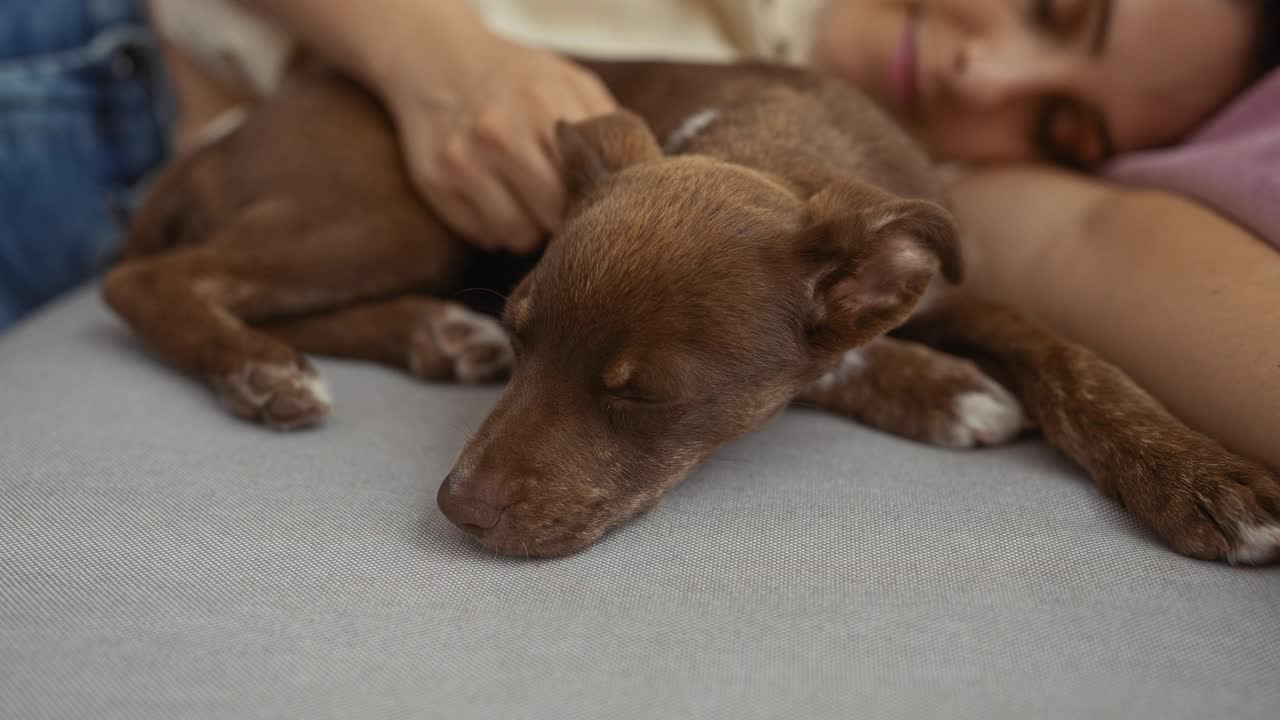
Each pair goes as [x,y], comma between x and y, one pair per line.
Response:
[161,560]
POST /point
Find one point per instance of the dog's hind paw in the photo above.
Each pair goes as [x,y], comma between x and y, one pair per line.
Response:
[282,396]
[990,416]
[458,344]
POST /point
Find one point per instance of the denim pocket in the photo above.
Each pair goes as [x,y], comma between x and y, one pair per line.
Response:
[80,129]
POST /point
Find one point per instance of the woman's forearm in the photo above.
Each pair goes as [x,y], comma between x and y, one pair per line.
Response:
[475,113]
[370,39]
[1184,301]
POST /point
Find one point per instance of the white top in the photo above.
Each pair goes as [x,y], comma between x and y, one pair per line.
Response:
[243,48]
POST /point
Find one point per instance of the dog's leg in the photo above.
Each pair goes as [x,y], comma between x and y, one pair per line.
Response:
[433,339]
[1201,499]
[919,393]
[191,306]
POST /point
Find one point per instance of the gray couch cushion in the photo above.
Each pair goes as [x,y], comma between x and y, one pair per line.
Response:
[159,559]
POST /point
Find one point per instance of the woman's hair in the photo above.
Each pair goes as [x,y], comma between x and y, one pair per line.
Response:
[1267,53]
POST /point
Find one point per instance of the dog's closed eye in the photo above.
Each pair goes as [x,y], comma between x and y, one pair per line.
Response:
[635,413]
[623,386]
[623,390]
[626,399]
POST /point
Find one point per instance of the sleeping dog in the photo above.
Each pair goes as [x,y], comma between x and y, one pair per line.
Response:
[741,239]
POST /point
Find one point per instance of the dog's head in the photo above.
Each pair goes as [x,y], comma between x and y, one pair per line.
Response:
[685,301]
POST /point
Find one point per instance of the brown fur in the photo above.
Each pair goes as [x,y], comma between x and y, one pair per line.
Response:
[1181,484]
[686,300]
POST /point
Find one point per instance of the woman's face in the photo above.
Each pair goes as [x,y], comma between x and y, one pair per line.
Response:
[1065,80]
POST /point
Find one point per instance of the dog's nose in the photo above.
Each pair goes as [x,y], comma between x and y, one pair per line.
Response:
[471,512]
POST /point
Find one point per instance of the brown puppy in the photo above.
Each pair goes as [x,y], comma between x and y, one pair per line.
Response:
[690,296]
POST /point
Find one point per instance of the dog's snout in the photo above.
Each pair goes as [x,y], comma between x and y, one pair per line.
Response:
[471,511]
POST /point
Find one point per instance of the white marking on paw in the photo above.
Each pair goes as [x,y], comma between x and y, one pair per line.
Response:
[239,383]
[282,396]
[226,122]
[851,366]
[688,129]
[318,388]
[1258,544]
[985,417]
[485,333]
[486,329]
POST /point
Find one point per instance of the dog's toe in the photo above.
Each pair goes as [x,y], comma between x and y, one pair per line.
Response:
[1203,501]
[281,396]
[987,416]
[1258,544]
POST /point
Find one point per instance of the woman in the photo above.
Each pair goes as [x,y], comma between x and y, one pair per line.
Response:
[1174,293]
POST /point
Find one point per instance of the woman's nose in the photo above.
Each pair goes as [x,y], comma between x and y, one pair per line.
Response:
[982,74]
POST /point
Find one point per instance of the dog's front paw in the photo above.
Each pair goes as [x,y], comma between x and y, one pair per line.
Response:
[283,396]
[1206,503]
[455,343]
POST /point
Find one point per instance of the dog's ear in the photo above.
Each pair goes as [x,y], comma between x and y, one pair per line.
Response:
[592,149]
[871,256]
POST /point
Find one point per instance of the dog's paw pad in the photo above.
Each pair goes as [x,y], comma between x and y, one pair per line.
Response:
[990,416]
[281,396]
[459,344]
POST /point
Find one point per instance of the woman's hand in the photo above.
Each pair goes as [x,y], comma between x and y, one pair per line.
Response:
[477,130]
[476,113]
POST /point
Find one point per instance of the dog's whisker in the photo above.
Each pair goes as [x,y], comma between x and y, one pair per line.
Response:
[490,291]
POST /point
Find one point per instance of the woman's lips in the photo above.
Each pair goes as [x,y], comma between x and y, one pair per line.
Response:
[902,71]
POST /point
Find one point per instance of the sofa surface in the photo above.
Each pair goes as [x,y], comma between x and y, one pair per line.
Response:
[161,560]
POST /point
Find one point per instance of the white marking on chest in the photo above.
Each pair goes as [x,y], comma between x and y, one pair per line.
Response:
[688,129]
[850,367]
[222,126]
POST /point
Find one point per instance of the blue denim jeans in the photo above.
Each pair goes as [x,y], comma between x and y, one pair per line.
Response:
[85,118]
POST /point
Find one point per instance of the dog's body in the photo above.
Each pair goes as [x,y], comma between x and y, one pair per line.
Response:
[689,297]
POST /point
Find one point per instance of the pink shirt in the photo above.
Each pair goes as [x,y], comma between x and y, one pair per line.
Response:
[1232,163]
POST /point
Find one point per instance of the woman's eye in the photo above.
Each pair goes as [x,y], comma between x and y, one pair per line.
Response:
[1072,136]
[1059,16]
[1042,12]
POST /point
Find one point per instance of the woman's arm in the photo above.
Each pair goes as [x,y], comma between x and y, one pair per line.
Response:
[1183,300]
[476,113]
[376,40]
